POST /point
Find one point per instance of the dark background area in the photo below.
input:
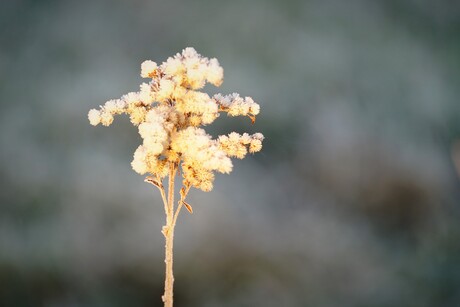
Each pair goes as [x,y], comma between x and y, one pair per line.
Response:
[353,201]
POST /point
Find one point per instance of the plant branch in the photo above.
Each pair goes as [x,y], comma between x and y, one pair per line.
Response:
[157,182]
[183,194]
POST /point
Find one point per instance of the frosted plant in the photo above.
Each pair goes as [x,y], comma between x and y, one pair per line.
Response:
[168,111]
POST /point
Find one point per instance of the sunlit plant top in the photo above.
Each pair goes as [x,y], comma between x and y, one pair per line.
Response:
[169,112]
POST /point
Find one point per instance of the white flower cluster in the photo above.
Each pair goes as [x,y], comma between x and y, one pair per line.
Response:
[235,105]
[168,111]
[237,145]
[201,156]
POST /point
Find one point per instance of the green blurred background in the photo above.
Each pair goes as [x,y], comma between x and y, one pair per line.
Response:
[354,200]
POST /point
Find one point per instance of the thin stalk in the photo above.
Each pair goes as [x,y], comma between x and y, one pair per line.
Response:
[181,202]
[168,232]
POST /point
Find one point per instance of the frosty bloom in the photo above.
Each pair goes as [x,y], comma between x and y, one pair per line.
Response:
[148,69]
[165,90]
[235,105]
[94,117]
[146,95]
[169,111]
[237,145]
[131,98]
[215,73]
[106,118]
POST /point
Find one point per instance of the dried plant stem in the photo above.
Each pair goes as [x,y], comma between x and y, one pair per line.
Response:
[169,280]
[168,232]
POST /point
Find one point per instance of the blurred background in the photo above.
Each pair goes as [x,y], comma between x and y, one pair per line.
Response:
[354,200]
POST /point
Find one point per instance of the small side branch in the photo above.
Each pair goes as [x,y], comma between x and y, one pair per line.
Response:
[157,182]
[183,194]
